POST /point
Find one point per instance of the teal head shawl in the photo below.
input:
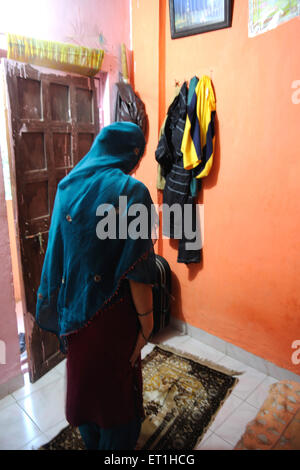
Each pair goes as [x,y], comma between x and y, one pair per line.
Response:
[82,272]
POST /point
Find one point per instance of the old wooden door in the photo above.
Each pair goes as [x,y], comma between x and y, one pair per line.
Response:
[54,121]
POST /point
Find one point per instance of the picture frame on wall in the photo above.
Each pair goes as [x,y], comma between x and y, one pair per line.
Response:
[188,17]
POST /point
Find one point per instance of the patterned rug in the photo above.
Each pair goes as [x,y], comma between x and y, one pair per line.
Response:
[182,395]
[277,424]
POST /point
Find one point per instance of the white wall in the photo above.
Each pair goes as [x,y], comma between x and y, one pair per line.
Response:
[101,24]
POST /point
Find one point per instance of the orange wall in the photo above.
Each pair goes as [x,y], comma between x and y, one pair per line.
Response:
[246,291]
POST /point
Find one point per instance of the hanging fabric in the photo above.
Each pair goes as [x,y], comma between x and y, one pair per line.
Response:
[199,134]
[60,56]
[129,107]
[177,180]
[185,155]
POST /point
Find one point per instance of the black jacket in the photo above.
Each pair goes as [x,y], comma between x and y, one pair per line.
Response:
[178,180]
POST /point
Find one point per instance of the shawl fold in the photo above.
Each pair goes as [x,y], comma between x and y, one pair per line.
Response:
[82,272]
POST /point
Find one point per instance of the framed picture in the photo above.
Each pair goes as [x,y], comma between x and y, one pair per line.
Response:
[264,16]
[189,17]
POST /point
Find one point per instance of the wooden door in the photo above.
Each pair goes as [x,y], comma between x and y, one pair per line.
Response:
[54,121]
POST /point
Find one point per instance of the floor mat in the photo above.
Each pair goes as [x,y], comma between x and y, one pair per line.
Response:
[182,395]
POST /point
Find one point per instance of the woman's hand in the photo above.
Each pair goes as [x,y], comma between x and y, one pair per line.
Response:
[146,330]
[137,350]
[143,301]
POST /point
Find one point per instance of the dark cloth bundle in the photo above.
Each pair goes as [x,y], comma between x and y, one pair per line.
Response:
[177,188]
[129,107]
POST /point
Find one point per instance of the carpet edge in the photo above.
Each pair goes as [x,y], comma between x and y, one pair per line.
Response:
[229,391]
[199,360]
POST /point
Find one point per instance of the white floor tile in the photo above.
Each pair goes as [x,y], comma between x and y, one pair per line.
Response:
[36,443]
[258,396]
[231,363]
[170,336]
[206,338]
[194,347]
[214,442]
[29,388]
[206,436]
[16,428]
[225,411]
[38,415]
[251,360]
[6,401]
[201,350]
[234,426]
[61,367]
[281,374]
[46,407]
[54,430]
[146,350]
[248,380]
[176,341]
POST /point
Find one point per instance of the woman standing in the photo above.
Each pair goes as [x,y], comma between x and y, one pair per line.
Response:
[96,289]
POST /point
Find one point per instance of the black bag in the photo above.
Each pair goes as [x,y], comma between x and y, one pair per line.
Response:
[161,295]
[129,107]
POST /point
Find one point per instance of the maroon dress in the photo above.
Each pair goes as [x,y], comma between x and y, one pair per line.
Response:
[102,386]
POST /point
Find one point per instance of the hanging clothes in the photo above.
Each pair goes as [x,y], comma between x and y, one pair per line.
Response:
[185,156]
[198,143]
[195,184]
[177,189]
[161,181]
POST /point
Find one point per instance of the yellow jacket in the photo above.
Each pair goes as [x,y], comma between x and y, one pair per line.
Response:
[198,141]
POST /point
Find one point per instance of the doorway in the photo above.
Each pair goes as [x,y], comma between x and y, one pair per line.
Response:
[52,119]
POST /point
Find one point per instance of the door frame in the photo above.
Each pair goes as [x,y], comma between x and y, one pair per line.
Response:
[103,112]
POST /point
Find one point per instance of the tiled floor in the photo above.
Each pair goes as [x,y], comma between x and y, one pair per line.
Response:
[34,414]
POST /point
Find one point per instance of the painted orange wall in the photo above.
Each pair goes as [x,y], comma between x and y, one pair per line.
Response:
[246,291]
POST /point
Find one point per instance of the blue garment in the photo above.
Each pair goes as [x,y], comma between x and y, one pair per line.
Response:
[177,188]
[81,272]
[122,437]
[195,184]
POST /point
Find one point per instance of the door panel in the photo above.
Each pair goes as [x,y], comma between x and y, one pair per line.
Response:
[84,143]
[84,106]
[54,121]
[29,93]
[59,102]
[32,151]
[62,149]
